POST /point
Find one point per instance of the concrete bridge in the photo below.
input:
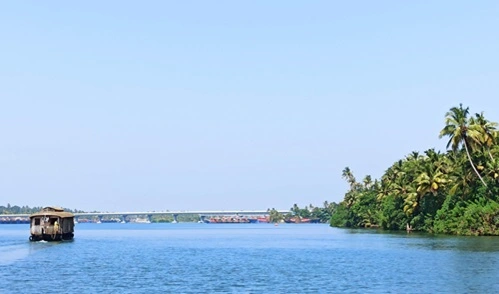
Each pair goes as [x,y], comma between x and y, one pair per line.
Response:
[175,213]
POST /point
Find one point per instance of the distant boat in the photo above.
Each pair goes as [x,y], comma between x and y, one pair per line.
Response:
[142,221]
[17,220]
[302,220]
[263,219]
[111,220]
[228,220]
[298,220]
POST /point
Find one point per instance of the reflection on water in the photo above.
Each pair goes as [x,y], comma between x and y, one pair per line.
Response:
[436,242]
[457,243]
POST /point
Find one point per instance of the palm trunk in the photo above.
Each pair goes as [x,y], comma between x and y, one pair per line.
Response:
[472,165]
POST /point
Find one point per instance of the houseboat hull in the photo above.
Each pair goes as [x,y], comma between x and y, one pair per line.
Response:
[50,238]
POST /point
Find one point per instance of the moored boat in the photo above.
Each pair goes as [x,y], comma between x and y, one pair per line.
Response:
[298,220]
[228,220]
[141,221]
[263,219]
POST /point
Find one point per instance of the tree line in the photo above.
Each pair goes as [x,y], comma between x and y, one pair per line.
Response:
[321,214]
[15,209]
[455,192]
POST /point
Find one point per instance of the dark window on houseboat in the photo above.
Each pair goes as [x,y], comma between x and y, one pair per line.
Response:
[52,221]
[37,221]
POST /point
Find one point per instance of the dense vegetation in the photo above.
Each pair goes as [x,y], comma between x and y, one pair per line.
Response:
[320,214]
[454,192]
[25,209]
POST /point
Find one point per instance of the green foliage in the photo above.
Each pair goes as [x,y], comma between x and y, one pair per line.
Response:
[480,217]
[452,193]
[340,217]
[363,211]
[316,214]
[275,216]
[392,216]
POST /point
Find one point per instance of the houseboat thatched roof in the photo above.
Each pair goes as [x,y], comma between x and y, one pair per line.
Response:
[52,210]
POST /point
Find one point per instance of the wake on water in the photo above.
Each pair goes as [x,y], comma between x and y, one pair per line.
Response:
[14,252]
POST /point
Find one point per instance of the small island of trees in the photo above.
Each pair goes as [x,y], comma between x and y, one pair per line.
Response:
[453,193]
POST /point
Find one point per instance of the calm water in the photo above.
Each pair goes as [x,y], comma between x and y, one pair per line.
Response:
[245,258]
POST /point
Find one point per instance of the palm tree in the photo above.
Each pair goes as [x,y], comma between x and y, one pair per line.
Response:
[411,202]
[431,180]
[383,190]
[368,183]
[405,189]
[401,185]
[493,169]
[461,132]
[348,175]
[488,131]
[440,161]
[393,172]
[460,176]
[414,155]
[351,198]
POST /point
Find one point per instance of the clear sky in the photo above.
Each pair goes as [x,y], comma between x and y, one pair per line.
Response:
[155,105]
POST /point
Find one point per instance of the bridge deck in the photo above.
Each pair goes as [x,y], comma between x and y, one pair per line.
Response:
[177,212]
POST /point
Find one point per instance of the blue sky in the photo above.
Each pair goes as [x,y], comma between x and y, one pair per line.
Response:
[116,105]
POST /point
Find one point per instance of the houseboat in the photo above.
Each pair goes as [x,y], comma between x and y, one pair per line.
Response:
[51,224]
[228,220]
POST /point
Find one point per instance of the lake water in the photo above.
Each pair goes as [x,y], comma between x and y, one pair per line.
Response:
[245,258]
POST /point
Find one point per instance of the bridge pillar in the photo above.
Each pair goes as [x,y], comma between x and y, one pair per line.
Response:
[123,218]
[100,219]
[175,216]
[149,218]
[76,219]
[202,218]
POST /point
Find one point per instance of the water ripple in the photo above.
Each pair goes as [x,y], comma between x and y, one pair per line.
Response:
[194,258]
